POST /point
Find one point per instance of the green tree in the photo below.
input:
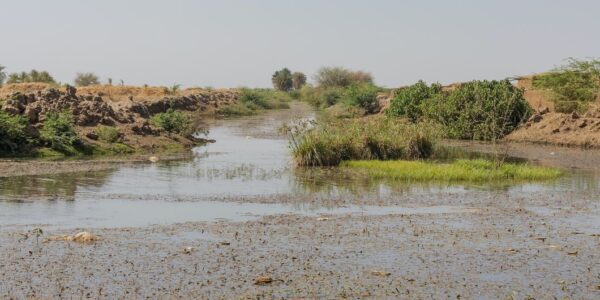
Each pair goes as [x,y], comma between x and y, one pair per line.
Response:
[86,79]
[32,76]
[341,77]
[282,80]
[298,80]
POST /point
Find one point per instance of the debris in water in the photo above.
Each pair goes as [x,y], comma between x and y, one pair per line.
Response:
[153,159]
[323,219]
[574,253]
[263,280]
[188,250]
[381,273]
[82,237]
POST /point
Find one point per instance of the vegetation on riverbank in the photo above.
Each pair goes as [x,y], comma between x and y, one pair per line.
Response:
[330,143]
[479,110]
[572,86]
[459,170]
[252,101]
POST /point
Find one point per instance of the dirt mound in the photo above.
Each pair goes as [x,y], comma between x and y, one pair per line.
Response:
[561,129]
[90,107]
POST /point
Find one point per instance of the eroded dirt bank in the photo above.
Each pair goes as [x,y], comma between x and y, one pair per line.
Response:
[126,108]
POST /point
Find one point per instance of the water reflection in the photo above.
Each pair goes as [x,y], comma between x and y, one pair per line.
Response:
[58,186]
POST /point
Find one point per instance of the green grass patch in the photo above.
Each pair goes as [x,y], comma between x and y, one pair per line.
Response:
[459,170]
[330,143]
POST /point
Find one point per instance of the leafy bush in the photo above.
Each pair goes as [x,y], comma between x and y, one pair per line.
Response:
[172,121]
[252,100]
[480,110]
[331,143]
[363,96]
[328,77]
[408,101]
[86,79]
[108,134]
[578,80]
[59,133]
[321,97]
[13,136]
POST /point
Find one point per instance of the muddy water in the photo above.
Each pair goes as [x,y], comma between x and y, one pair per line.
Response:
[247,173]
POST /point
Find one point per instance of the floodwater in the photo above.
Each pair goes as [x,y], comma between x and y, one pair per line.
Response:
[247,173]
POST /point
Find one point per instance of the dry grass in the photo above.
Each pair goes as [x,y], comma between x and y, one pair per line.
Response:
[26,88]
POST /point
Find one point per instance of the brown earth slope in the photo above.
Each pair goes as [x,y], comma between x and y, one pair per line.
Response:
[127,108]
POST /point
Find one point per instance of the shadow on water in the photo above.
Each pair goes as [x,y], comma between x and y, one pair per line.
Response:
[248,170]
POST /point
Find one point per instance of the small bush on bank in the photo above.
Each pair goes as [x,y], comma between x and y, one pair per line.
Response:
[331,143]
[58,132]
[578,80]
[13,136]
[108,134]
[172,121]
[363,96]
[408,101]
[480,110]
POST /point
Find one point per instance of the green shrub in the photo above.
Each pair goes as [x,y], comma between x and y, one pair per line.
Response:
[32,76]
[363,96]
[480,110]
[108,134]
[13,135]
[578,80]
[172,121]
[331,143]
[58,132]
[408,101]
[321,97]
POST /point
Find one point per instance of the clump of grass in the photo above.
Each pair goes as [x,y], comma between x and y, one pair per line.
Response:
[108,134]
[376,138]
[172,121]
[460,170]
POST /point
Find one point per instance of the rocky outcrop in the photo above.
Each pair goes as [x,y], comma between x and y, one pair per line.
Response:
[93,109]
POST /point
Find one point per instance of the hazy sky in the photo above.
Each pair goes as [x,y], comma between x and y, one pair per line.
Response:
[230,43]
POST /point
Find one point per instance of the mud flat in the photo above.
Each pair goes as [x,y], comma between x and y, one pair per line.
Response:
[490,252]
